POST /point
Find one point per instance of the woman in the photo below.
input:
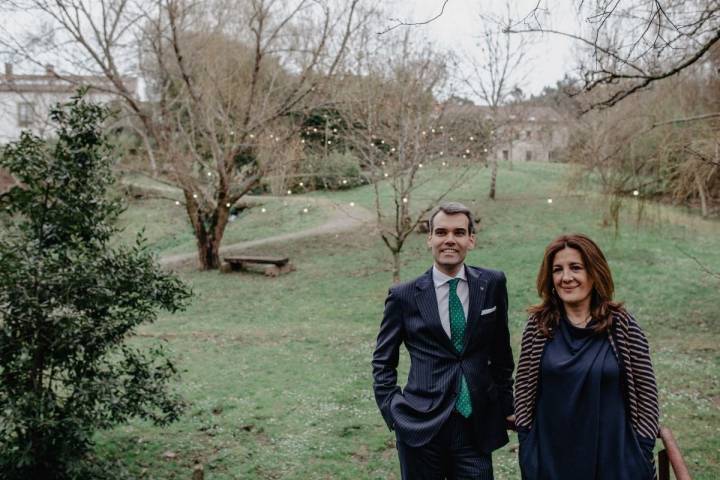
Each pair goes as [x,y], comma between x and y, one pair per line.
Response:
[585,397]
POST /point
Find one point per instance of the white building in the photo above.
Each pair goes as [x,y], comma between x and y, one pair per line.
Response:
[26,100]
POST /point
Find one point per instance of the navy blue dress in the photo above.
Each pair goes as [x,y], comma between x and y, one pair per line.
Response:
[581,429]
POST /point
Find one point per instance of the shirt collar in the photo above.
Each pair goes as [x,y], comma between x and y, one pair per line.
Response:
[440,278]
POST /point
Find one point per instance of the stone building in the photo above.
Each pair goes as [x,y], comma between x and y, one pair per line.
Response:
[519,132]
[530,133]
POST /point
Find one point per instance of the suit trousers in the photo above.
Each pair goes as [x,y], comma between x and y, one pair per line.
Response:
[452,454]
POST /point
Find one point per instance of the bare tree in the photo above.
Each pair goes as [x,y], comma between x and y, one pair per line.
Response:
[226,84]
[632,44]
[495,72]
[398,128]
[655,145]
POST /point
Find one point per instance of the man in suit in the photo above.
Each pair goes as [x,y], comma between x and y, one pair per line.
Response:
[453,321]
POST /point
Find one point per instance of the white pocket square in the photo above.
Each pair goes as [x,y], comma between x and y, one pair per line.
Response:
[488,310]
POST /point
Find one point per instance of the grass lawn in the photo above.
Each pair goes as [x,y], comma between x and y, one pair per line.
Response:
[168,231]
[276,372]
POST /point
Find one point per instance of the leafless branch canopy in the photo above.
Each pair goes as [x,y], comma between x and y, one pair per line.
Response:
[224,80]
[401,23]
[632,44]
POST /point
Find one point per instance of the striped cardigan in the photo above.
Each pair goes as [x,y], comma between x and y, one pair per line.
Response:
[633,353]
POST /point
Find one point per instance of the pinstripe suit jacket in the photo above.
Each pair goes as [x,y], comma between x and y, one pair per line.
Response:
[411,317]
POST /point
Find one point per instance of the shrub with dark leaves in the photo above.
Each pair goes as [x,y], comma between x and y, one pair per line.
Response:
[69,302]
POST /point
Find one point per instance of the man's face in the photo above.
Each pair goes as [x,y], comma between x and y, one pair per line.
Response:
[449,240]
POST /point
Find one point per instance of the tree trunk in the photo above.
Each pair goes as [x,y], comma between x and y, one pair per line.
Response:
[396,267]
[209,254]
[703,196]
[209,229]
[493,178]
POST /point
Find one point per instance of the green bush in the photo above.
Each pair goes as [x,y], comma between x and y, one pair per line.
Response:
[336,171]
[68,303]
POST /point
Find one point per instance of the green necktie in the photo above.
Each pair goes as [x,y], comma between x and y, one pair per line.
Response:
[457,335]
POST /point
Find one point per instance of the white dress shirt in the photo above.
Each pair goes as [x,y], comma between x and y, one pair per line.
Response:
[442,293]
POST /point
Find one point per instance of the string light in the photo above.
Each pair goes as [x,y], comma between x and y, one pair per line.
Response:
[194,195]
[424,132]
[467,151]
[302,141]
[392,149]
[549,200]
[441,154]
[405,200]
[344,182]
[352,204]
[252,136]
[177,202]
[385,174]
[329,142]
[209,174]
[301,184]
[432,130]
[305,210]
[485,150]
[636,193]
[419,165]
[263,210]
[227,205]
[444,164]
[289,192]
[472,139]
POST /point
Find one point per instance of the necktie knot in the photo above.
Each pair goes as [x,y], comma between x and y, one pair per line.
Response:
[453,284]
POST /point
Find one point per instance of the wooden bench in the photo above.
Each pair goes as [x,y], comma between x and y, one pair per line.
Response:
[275,265]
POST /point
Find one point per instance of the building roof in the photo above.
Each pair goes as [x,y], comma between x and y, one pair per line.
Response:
[52,82]
[520,112]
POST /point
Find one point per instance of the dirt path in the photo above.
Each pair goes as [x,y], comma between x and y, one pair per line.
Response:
[342,219]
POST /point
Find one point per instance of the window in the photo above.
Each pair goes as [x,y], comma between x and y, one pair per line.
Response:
[505,154]
[26,112]
[528,155]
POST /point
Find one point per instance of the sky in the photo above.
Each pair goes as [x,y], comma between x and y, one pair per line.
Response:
[548,58]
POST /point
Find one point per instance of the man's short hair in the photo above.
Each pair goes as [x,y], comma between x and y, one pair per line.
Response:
[452,208]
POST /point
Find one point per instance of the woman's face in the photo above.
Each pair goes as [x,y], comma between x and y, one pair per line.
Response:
[570,278]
